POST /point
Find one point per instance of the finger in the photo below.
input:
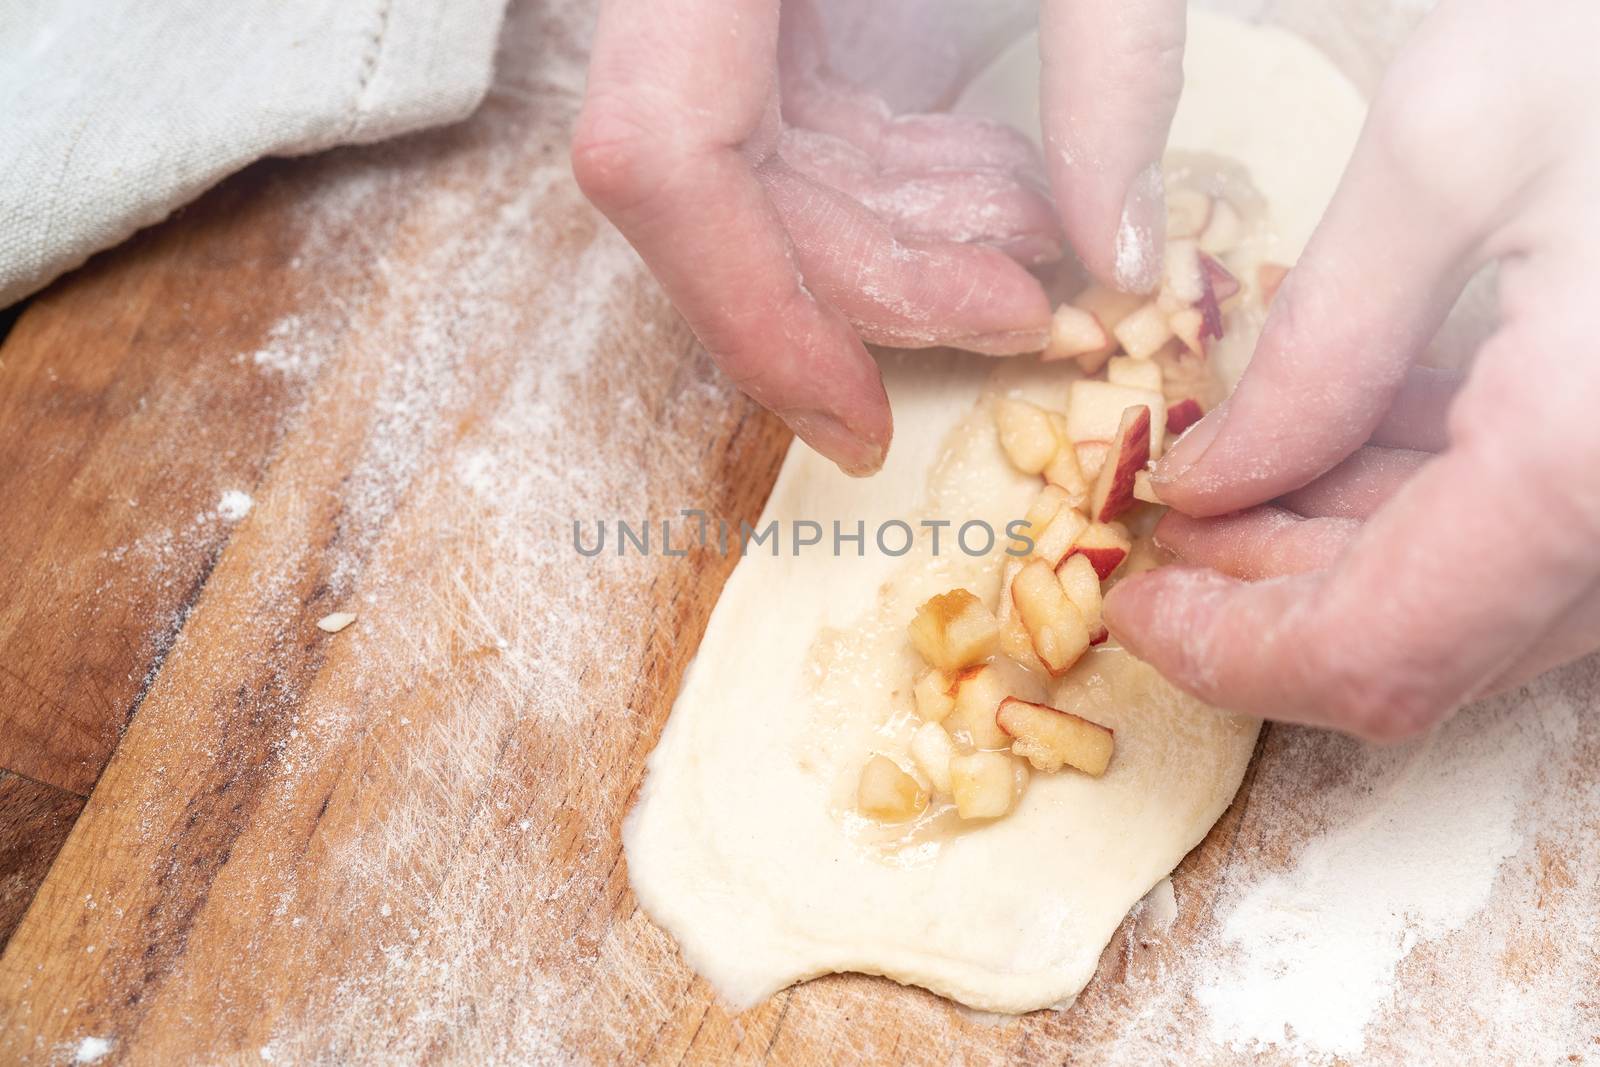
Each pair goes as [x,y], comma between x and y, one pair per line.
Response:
[1422,611]
[1419,416]
[1112,72]
[907,142]
[685,196]
[1359,486]
[971,206]
[1264,542]
[911,294]
[1575,634]
[1378,278]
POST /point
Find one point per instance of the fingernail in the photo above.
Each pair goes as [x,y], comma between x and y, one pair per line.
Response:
[1194,443]
[854,454]
[1141,232]
[1006,343]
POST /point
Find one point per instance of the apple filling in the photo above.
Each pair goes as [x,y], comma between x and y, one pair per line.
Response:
[1144,377]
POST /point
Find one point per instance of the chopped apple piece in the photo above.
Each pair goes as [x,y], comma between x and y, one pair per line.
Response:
[1144,331]
[1051,739]
[979,691]
[1144,489]
[935,694]
[888,793]
[1184,278]
[1025,433]
[1051,499]
[1094,413]
[1185,374]
[953,630]
[1224,286]
[1091,457]
[1082,586]
[1015,640]
[1109,307]
[1218,286]
[1075,331]
[1059,535]
[1105,545]
[932,750]
[1055,625]
[1063,471]
[1184,414]
[1268,277]
[984,784]
[1189,325]
[1134,373]
[1130,453]
[1188,211]
[1224,229]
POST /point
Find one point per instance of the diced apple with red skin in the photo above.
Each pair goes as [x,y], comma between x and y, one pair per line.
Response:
[932,750]
[1144,489]
[954,630]
[1144,331]
[1094,413]
[1063,471]
[1051,739]
[984,785]
[887,793]
[1185,374]
[1188,211]
[1269,276]
[1184,414]
[1074,332]
[1109,307]
[1134,373]
[979,690]
[1219,287]
[1105,545]
[935,695]
[1224,229]
[1082,586]
[1057,628]
[1026,435]
[1130,454]
[1059,535]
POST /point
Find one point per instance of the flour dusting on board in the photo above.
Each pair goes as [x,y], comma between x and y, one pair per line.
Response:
[1310,954]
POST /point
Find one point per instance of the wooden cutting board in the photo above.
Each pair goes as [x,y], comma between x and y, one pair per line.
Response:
[387,381]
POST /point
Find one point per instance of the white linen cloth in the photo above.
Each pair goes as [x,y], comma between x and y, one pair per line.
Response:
[115,112]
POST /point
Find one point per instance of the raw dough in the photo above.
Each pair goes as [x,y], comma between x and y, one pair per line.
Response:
[744,844]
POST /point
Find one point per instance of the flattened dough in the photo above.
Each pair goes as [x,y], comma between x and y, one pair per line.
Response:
[744,845]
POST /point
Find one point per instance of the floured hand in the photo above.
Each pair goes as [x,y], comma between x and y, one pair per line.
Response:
[792,211]
[1377,589]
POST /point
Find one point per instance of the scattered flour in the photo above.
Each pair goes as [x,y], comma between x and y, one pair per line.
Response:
[1413,851]
[234,505]
[91,1050]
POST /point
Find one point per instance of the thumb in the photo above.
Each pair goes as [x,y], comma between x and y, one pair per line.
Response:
[1111,74]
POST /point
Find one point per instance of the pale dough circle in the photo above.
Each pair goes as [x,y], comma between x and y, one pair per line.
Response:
[743,844]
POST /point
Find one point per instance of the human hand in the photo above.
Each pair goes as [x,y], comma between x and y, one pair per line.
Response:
[792,212]
[1376,590]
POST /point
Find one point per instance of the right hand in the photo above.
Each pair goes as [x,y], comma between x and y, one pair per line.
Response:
[791,214]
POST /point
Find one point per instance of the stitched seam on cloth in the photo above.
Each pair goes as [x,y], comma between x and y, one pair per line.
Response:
[369,65]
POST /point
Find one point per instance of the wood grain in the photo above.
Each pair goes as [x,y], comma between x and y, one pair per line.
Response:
[35,819]
[401,843]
